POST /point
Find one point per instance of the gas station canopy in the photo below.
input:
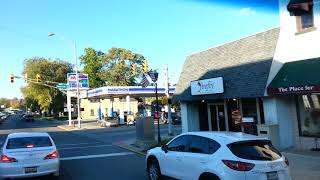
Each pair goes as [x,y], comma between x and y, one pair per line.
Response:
[118,91]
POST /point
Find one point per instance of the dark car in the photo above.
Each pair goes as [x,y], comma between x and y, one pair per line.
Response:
[28,118]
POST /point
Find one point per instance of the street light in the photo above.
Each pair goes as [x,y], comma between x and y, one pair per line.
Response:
[77,77]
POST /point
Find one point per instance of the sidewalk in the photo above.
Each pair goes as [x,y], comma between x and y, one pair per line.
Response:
[85,125]
[303,164]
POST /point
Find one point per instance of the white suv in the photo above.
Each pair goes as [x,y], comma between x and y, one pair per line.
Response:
[217,155]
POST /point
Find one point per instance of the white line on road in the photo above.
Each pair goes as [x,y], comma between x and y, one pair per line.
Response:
[77,144]
[96,156]
[84,147]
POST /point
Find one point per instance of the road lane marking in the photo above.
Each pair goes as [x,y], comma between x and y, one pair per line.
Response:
[77,144]
[84,147]
[96,156]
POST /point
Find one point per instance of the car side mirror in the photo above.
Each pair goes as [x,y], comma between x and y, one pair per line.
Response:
[164,148]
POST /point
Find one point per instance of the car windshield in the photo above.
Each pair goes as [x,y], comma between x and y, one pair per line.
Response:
[29,142]
[255,150]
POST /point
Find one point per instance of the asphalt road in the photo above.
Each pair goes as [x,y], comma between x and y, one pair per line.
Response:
[87,154]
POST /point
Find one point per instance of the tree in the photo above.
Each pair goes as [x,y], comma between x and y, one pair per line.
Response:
[117,67]
[49,99]
[92,61]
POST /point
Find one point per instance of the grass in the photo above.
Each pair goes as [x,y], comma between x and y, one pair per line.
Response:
[163,142]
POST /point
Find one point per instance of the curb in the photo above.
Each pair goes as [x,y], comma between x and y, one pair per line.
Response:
[126,147]
[63,128]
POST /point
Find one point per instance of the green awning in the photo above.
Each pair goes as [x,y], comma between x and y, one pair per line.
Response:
[297,77]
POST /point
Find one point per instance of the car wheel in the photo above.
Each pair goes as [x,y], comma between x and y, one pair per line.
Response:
[209,176]
[154,170]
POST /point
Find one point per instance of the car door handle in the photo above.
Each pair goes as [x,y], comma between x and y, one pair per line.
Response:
[203,161]
[178,159]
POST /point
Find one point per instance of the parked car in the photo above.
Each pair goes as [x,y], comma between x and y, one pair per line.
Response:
[217,155]
[29,155]
[3,116]
[28,117]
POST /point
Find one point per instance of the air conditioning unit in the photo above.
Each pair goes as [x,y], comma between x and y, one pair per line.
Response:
[270,131]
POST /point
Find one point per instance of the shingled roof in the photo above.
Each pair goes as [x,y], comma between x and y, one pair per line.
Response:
[244,65]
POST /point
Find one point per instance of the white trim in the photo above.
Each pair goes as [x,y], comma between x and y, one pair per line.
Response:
[197,52]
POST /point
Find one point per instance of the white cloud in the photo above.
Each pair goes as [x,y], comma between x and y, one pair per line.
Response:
[246,12]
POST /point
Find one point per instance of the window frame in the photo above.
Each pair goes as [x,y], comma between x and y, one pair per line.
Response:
[299,24]
[175,139]
[205,138]
[92,112]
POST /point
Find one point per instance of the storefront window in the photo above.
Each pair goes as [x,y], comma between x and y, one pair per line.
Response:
[309,115]
[249,110]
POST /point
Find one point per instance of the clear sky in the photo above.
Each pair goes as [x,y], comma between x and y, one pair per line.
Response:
[164,31]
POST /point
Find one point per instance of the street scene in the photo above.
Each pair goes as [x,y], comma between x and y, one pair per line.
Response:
[88,154]
[170,89]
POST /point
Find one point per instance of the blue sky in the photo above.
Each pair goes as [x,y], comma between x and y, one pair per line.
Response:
[164,31]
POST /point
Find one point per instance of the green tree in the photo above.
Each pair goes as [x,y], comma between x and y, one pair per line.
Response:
[93,65]
[117,67]
[49,99]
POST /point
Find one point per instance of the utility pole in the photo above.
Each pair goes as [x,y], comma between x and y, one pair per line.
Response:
[168,97]
[78,90]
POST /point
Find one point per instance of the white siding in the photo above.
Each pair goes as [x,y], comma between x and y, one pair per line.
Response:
[292,47]
[189,117]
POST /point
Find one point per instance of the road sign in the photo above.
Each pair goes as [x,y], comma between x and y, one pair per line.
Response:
[83,81]
[62,86]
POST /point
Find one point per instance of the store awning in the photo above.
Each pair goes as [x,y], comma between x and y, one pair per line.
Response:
[299,7]
[297,77]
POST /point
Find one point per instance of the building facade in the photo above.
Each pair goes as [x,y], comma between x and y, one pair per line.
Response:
[266,84]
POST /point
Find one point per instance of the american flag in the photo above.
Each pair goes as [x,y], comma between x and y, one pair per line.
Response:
[153,78]
[145,82]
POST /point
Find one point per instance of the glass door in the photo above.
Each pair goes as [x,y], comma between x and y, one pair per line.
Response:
[217,118]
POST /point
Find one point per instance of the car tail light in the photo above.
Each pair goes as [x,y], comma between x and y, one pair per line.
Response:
[238,166]
[286,161]
[30,146]
[53,155]
[6,159]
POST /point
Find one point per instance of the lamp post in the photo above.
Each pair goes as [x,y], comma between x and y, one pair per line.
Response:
[77,76]
[156,74]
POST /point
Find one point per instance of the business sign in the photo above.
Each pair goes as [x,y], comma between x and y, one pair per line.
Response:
[248,120]
[83,81]
[207,86]
[115,90]
[294,89]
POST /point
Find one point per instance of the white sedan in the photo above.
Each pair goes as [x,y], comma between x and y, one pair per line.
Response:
[28,155]
[217,156]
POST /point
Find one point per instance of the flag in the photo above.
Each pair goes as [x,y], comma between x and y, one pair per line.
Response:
[145,82]
[151,74]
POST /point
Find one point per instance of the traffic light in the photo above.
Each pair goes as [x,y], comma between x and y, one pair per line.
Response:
[38,78]
[133,69]
[145,66]
[12,78]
